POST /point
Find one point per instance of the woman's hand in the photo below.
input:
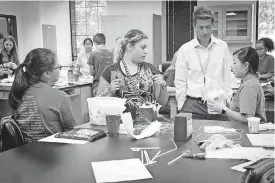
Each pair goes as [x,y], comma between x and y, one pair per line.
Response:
[10,65]
[115,85]
[158,80]
[2,72]
[215,106]
[8,71]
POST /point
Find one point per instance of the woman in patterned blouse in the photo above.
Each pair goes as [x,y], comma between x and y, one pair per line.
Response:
[131,77]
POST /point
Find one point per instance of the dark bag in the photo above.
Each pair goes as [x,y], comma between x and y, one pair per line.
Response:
[262,171]
[10,133]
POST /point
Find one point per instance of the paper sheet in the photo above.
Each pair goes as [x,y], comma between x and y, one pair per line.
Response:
[263,140]
[61,140]
[240,166]
[249,153]
[147,132]
[266,126]
[120,170]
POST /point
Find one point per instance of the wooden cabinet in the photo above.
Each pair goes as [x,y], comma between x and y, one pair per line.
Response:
[78,97]
[233,23]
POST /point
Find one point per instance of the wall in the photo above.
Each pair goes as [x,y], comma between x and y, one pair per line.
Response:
[30,15]
[235,46]
[27,24]
[142,21]
[57,13]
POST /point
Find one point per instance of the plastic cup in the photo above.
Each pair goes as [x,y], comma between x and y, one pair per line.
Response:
[253,124]
[113,124]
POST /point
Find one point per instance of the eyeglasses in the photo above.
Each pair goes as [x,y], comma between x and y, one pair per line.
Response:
[58,67]
[259,49]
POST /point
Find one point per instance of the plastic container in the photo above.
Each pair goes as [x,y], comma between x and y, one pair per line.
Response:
[183,127]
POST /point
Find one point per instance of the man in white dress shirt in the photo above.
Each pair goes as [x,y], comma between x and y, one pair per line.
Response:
[202,63]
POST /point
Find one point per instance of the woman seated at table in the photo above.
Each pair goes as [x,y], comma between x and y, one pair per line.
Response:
[131,77]
[266,62]
[8,57]
[249,100]
[40,109]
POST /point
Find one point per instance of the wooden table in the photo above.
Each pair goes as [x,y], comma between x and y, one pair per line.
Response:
[67,163]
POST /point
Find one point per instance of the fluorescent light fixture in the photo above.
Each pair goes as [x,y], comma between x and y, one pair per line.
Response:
[231,14]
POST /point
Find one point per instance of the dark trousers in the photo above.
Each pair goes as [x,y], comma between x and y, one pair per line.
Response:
[198,108]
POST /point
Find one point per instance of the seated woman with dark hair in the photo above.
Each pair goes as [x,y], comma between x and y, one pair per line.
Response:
[39,109]
[131,77]
[249,100]
[266,61]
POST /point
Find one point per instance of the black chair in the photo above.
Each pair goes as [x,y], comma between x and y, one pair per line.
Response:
[165,65]
[10,133]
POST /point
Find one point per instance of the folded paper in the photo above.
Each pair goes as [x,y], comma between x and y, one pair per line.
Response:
[150,130]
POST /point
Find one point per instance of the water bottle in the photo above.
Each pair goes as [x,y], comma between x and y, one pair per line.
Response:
[70,76]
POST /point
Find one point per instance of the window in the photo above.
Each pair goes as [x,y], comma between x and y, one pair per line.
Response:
[85,21]
[266,22]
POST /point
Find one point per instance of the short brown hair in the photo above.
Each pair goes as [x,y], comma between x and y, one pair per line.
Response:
[203,13]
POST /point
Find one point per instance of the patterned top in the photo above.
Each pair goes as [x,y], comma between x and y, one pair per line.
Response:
[249,99]
[138,88]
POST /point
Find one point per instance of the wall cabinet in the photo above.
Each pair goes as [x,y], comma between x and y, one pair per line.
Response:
[233,23]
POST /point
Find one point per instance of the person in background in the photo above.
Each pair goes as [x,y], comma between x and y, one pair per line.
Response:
[84,55]
[202,63]
[169,78]
[249,100]
[266,64]
[40,109]
[8,57]
[1,41]
[131,77]
[99,59]
[169,74]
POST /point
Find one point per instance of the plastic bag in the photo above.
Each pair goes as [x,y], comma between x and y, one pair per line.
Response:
[100,106]
[215,94]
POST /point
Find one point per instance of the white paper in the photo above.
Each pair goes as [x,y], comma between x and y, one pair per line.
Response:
[266,126]
[122,130]
[61,140]
[147,132]
[249,153]
[263,140]
[5,84]
[240,167]
[120,170]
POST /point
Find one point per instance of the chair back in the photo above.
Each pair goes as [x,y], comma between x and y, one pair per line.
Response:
[10,133]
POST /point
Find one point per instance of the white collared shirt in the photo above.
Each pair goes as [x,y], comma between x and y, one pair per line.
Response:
[189,78]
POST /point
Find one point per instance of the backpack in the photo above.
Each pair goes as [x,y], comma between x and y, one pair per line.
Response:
[10,134]
[261,171]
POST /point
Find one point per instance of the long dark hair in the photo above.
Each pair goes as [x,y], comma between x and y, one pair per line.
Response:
[13,53]
[29,72]
[132,37]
